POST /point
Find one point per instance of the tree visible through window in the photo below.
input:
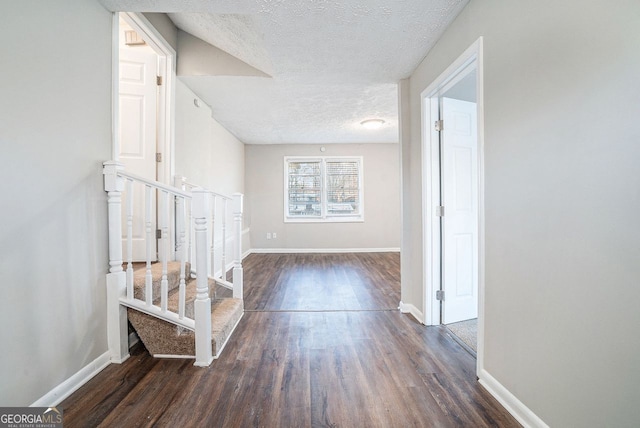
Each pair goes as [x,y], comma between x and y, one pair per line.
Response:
[323,189]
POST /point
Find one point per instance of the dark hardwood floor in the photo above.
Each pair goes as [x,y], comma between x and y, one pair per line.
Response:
[318,346]
[322,282]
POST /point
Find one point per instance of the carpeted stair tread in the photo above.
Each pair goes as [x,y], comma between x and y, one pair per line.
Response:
[163,338]
[173,279]
[190,297]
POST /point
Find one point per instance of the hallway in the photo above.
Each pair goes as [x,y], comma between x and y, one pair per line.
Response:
[297,361]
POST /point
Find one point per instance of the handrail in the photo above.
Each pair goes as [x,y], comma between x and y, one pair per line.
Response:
[172,317]
[222,282]
[211,192]
[157,184]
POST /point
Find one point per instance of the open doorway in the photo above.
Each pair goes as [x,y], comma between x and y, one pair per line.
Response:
[453,199]
[142,114]
[138,92]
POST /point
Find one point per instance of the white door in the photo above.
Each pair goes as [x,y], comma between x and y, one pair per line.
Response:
[138,117]
[459,157]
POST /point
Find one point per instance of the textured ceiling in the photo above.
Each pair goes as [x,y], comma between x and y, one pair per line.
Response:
[334,63]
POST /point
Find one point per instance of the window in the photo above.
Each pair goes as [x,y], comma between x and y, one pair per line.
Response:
[323,189]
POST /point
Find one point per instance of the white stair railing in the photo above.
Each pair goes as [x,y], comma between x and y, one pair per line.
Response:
[190,207]
[222,208]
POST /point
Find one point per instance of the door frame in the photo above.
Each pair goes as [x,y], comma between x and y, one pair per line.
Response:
[166,94]
[471,58]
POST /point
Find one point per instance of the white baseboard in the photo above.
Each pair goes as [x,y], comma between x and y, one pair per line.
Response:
[71,385]
[518,410]
[322,250]
[407,308]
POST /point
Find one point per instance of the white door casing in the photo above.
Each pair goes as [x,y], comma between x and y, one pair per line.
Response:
[459,160]
[469,60]
[137,133]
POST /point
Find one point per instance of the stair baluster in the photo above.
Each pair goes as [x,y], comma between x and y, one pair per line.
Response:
[192,239]
[148,277]
[237,259]
[129,184]
[164,253]
[180,226]
[181,183]
[212,267]
[223,263]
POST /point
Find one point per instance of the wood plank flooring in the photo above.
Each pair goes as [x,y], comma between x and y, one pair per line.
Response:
[320,282]
[302,359]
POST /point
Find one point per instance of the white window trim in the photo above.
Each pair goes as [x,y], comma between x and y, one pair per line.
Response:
[323,218]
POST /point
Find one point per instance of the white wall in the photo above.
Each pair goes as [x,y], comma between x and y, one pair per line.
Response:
[265,189]
[206,153]
[55,132]
[562,134]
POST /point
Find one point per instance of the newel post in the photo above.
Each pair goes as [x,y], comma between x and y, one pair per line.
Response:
[117,329]
[237,249]
[202,304]
[114,187]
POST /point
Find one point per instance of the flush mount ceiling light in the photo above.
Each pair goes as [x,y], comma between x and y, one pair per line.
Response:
[372,123]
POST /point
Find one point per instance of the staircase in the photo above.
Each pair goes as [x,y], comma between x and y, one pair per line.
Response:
[177,298]
[164,339]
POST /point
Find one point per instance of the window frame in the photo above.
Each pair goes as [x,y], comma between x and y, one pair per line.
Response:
[324,216]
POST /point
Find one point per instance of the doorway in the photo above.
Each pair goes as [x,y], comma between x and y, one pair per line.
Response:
[459,199]
[453,199]
[143,142]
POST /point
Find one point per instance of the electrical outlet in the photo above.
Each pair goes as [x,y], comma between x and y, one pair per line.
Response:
[268,235]
[274,235]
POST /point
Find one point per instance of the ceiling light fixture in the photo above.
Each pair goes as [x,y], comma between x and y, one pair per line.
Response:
[372,123]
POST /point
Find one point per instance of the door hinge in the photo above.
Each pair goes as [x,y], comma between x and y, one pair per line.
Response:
[159,80]
[158,157]
[440,211]
[158,234]
[440,295]
[438,125]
